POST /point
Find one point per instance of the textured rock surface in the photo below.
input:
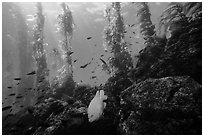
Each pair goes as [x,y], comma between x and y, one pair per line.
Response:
[170,105]
[181,55]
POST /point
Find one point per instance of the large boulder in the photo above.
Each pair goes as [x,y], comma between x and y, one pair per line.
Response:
[170,105]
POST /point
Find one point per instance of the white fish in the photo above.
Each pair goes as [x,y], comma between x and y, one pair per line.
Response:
[96,106]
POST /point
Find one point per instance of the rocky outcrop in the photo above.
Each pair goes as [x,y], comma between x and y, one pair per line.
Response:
[57,117]
[170,105]
[180,56]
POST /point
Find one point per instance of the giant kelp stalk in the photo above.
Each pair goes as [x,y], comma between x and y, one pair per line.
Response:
[66,28]
[121,60]
[147,29]
[39,51]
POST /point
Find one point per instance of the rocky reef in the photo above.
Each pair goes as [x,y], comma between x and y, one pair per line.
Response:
[162,95]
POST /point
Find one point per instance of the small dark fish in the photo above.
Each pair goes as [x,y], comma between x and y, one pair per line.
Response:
[9,87]
[29,88]
[31,73]
[136,42]
[81,81]
[125,32]
[102,55]
[103,61]
[5,98]
[40,81]
[89,37]
[10,110]
[17,78]
[17,83]
[70,53]
[93,77]
[75,60]
[21,106]
[132,25]
[19,96]
[92,71]
[12,94]
[130,37]
[37,102]
[85,65]
[6,108]
[133,32]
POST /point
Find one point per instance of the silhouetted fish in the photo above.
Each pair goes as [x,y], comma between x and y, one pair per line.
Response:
[19,96]
[132,25]
[9,87]
[29,88]
[12,94]
[75,60]
[6,108]
[103,61]
[70,53]
[92,71]
[93,77]
[102,55]
[31,73]
[84,65]
[41,80]
[125,32]
[21,106]
[17,78]
[17,83]
[89,37]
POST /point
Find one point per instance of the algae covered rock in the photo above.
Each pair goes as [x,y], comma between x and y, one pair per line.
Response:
[170,105]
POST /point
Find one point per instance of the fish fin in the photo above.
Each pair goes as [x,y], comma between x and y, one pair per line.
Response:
[102,96]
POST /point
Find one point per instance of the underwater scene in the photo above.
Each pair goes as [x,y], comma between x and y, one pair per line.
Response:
[101,68]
